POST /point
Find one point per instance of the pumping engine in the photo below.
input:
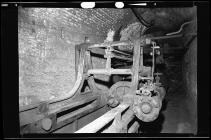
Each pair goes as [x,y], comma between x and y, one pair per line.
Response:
[147,92]
[104,70]
[139,87]
[135,96]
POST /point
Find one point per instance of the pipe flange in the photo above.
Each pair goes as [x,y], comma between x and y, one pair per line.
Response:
[147,108]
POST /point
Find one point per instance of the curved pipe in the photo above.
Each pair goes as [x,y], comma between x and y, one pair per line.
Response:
[181,28]
[75,87]
[70,93]
[77,83]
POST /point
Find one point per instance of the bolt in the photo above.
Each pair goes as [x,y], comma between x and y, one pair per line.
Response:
[146,108]
[46,124]
[111,101]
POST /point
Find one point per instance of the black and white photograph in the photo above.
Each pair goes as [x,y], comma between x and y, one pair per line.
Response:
[130,68]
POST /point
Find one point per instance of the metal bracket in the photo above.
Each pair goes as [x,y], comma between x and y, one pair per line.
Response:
[43,108]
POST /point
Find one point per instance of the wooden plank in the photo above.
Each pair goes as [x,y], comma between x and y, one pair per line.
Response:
[122,53]
[121,125]
[100,122]
[133,128]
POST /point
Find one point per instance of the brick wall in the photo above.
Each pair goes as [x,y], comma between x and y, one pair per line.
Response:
[47,37]
[190,78]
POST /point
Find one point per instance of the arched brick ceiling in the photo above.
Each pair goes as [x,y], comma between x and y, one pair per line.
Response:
[98,21]
[168,19]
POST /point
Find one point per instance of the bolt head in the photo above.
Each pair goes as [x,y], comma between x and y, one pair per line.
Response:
[146,108]
[46,124]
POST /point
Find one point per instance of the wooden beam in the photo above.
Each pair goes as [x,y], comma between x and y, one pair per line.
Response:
[100,122]
[121,125]
[134,127]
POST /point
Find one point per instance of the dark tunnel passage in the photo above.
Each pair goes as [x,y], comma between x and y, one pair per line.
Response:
[178,113]
[47,56]
[179,109]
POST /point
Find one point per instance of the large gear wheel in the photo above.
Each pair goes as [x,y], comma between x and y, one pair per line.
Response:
[117,91]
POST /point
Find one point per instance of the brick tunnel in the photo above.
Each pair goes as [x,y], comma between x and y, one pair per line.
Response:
[47,39]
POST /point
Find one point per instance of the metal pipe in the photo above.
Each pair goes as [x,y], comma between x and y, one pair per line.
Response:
[109,71]
[166,37]
[145,78]
[153,57]
[141,57]
[108,56]
[102,52]
[115,43]
[172,36]
[180,28]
